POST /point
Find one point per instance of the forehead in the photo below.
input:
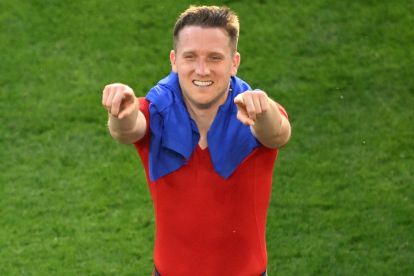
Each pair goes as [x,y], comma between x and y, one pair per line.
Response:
[195,38]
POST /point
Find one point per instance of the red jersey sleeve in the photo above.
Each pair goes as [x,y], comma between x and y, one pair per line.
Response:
[144,108]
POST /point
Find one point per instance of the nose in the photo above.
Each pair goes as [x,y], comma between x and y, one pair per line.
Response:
[202,68]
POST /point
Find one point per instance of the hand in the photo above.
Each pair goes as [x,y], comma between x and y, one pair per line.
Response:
[251,105]
[119,100]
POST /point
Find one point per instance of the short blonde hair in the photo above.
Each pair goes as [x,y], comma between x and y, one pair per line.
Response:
[209,16]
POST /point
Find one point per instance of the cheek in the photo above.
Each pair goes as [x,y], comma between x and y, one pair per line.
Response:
[182,68]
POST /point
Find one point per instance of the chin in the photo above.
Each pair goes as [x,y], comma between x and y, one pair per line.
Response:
[205,98]
[203,104]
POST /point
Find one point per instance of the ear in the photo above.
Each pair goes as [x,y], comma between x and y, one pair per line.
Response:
[172,60]
[235,63]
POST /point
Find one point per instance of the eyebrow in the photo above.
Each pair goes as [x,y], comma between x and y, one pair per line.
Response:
[209,53]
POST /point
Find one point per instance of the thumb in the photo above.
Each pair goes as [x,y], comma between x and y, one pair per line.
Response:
[128,106]
[242,115]
[239,101]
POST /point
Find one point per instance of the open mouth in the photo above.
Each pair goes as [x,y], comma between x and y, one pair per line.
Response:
[202,83]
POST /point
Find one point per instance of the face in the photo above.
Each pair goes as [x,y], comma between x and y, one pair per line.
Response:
[204,61]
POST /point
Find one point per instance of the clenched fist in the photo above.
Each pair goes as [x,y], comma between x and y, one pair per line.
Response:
[119,99]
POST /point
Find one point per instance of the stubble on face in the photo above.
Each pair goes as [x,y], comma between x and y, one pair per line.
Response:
[218,100]
[211,48]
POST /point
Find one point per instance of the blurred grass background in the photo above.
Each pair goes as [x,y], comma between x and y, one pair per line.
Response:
[73,202]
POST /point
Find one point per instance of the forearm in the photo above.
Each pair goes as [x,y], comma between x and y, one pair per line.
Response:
[272,128]
[128,129]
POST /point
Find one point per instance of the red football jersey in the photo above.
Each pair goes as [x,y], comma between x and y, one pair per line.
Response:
[208,225]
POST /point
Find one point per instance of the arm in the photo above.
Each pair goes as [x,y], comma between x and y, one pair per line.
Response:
[125,122]
[262,114]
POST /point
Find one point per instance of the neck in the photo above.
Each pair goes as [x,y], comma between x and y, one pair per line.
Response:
[204,114]
[203,117]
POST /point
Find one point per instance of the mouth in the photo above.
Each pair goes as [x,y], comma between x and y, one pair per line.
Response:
[200,83]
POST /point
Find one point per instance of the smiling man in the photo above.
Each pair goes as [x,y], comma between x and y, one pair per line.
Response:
[208,143]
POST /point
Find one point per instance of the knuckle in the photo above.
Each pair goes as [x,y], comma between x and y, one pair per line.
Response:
[127,90]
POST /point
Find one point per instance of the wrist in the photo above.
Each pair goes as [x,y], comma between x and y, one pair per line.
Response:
[124,124]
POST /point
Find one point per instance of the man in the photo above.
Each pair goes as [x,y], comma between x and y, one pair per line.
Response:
[208,143]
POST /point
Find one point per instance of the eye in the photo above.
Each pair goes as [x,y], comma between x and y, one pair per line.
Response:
[216,58]
[189,57]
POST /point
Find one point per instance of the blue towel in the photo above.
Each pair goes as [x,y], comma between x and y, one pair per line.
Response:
[174,135]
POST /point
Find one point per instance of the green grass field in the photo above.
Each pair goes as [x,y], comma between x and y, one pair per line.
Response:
[74,202]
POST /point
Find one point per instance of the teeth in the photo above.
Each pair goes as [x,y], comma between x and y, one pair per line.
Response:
[202,83]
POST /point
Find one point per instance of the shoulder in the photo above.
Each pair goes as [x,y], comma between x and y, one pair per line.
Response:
[164,93]
[144,108]
[238,85]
